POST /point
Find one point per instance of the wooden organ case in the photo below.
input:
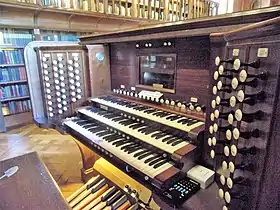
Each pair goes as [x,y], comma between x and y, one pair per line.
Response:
[144,138]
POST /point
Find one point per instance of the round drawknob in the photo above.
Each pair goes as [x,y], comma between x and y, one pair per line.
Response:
[229,183]
[179,104]
[234,83]
[60,65]
[230,119]
[183,106]
[221,193]
[49,103]
[221,69]
[172,103]
[232,101]
[240,95]
[226,151]
[224,165]
[70,62]
[222,179]
[217,61]
[214,141]
[212,154]
[228,135]
[161,101]
[216,113]
[236,133]
[54,62]
[59,58]
[210,142]
[238,115]
[233,150]
[215,127]
[227,197]
[216,75]
[219,85]
[211,129]
[212,116]
[44,59]
[243,76]
[231,167]
[215,90]
[167,102]
[218,100]
[213,104]
[198,109]
[236,64]
[225,208]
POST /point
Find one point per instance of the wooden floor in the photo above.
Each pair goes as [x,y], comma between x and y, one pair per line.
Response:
[59,152]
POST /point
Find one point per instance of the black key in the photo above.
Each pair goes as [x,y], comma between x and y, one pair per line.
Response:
[122,143]
[116,139]
[89,125]
[151,158]
[134,149]
[161,135]
[141,130]
[95,130]
[140,153]
[138,125]
[177,142]
[127,146]
[145,155]
[104,133]
[149,131]
[156,161]
[167,138]
[172,140]
[113,135]
[156,134]
[160,163]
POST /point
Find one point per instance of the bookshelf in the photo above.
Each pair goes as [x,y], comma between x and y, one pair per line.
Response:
[14,93]
[158,10]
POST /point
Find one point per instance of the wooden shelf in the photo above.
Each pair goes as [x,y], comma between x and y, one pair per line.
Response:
[11,65]
[14,98]
[13,82]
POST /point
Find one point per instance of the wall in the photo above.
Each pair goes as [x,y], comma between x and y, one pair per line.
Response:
[192,77]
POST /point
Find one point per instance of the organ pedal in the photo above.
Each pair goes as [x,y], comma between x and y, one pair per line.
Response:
[107,191]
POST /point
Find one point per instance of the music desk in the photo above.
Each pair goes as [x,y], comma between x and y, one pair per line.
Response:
[32,187]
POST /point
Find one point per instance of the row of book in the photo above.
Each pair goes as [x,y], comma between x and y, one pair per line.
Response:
[13,107]
[12,91]
[18,39]
[11,56]
[12,74]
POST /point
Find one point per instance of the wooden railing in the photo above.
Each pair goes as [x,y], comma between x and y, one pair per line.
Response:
[165,10]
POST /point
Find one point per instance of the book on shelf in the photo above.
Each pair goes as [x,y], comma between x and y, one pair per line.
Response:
[12,74]
[13,107]
[13,91]
[18,39]
[11,56]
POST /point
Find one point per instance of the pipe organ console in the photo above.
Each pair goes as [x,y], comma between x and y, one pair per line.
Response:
[147,116]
